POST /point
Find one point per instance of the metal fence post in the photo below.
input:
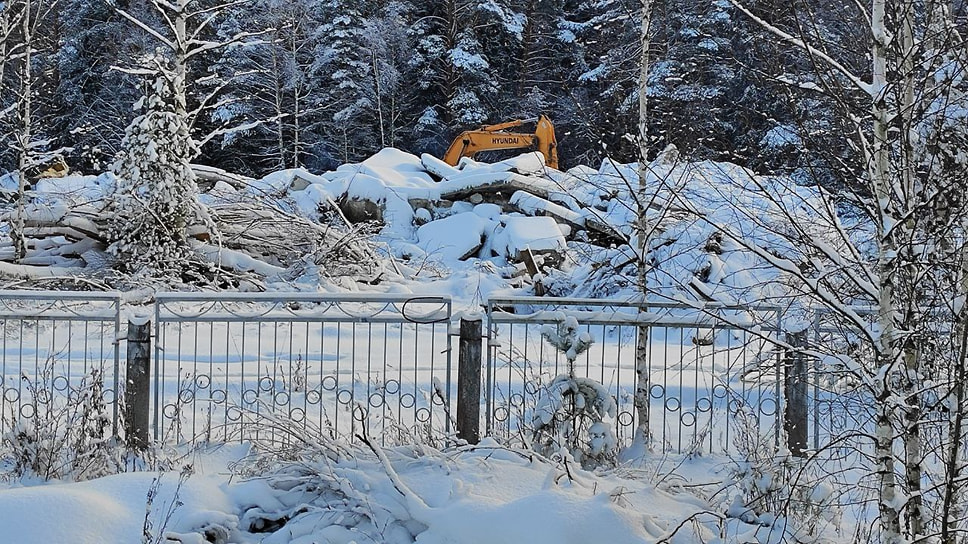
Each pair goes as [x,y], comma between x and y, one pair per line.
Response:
[137,391]
[470,357]
[795,385]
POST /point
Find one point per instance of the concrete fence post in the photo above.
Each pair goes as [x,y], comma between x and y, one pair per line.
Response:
[470,358]
[137,390]
[795,392]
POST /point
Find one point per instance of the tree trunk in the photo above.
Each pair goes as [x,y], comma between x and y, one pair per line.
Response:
[886,359]
[642,432]
[23,139]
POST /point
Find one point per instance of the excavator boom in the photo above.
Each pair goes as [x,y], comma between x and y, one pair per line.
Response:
[493,137]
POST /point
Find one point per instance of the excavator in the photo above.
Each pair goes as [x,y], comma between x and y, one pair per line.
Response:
[496,137]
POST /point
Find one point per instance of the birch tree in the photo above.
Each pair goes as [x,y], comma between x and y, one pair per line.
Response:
[185,32]
[642,228]
[21,23]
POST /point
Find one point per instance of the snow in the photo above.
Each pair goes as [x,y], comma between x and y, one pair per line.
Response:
[455,237]
[522,233]
[107,510]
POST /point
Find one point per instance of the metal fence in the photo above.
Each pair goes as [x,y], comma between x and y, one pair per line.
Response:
[236,366]
[54,348]
[715,373]
[233,366]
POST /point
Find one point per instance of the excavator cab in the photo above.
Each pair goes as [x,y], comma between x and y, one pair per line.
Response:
[497,137]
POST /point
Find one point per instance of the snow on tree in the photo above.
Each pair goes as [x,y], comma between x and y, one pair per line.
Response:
[156,200]
[574,413]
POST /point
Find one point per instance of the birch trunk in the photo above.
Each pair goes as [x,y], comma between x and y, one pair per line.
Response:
[911,383]
[23,139]
[887,356]
[642,434]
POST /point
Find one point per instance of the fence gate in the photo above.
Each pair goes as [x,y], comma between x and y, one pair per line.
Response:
[262,366]
[55,347]
[715,373]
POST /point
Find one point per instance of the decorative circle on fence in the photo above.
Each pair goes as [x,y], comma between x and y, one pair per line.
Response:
[202,381]
[376,400]
[250,396]
[531,387]
[768,407]
[673,404]
[423,415]
[360,413]
[170,411]
[281,398]
[313,397]
[657,391]
[407,400]
[345,396]
[625,418]
[437,399]
[501,413]
[42,396]
[60,383]
[265,383]
[392,387]
[329,383]
[12,395]
[704,404]
[108,396]
[516,400]
[735,406]
[688,419]
[218,396]
[297,414]
[720,391]
[233,414]
[27,411]
[186,396]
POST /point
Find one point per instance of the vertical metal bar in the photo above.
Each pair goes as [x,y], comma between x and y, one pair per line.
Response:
[117,362]
[383,384]
[353,379]
[211,380]
[450,359]
[780,403]
[242,380]
[400,379]
[488,375]
[697,369]
[816,383]
[712,388]
[159,362]
[682,372]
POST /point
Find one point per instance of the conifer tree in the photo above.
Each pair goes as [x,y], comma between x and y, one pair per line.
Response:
[156,199]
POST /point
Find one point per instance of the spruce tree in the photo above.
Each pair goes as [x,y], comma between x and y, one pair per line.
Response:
[157,197]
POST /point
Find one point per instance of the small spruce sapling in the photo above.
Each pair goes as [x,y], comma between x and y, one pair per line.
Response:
[156,200]
[574,412]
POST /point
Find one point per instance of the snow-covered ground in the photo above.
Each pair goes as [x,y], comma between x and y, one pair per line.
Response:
[485,494]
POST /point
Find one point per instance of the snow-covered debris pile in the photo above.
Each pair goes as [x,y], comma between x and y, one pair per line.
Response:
[518,220]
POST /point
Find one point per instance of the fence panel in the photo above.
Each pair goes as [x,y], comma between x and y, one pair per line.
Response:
[55,348]
[715,374]
[236,366]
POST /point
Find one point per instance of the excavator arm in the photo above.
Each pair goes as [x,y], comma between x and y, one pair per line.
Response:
[494,137]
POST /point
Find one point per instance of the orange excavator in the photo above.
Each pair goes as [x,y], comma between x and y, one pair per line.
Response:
[495,137]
